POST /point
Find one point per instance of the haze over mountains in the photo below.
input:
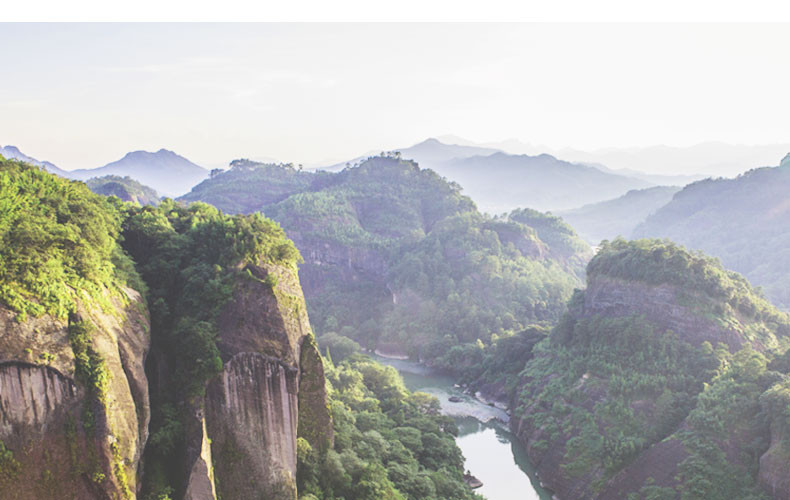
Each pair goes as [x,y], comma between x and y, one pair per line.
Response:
[609,219]
[498,176]
[706,159]
[500,182]
[163,170]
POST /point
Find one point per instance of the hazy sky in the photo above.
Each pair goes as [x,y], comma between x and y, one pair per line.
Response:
[82,95]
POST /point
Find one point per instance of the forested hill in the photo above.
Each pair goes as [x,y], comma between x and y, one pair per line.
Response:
[667,378]
[396,257]
[249,186]
[743,221]
[125,188]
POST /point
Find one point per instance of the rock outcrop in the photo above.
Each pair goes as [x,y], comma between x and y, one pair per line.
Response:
[772,474]
[663,304]
[272,375]
[635,391]
[72,436]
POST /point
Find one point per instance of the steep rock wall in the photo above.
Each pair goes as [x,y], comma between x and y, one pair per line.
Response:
[252,421]
[252,409]
[69,443]
[660,304]
[315,420]
[773,473]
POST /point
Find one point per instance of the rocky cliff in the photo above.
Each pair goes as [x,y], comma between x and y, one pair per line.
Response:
[271,376]
[231,349]
[654,385]
[74,405]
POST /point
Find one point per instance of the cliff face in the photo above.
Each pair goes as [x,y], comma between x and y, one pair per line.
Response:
[349,264]
[271,375]
[665,305]
[68,439]
[772,474]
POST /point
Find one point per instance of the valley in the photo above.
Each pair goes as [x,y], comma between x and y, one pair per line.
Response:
[394,251]
[230,327]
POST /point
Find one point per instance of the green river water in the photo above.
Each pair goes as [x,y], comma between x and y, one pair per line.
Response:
[492,452]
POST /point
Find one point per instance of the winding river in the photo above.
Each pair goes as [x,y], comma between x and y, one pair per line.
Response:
[492,452]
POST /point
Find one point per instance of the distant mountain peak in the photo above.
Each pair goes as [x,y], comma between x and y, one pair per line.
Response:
[13,153]
[785,161]
[429,142]
[141,153]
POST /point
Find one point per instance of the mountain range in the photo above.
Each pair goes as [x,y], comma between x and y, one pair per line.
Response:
[164,171]
[499,182]
[706,159]
[177,336]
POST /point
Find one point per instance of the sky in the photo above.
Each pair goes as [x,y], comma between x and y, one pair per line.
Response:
[82,95]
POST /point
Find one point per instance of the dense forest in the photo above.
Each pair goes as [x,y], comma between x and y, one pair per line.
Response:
[397,256]
[57,241]
[389,443]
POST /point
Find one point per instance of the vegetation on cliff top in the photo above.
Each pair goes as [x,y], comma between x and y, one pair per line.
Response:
[61,241]
[58,241]
[706,284]
[60,252]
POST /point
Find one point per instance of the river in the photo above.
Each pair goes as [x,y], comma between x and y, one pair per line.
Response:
[492,452]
